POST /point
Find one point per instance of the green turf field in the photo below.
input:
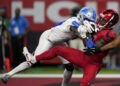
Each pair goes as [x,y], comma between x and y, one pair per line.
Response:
[58,70]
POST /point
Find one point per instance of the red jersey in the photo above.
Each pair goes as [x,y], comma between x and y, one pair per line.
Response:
[101,38]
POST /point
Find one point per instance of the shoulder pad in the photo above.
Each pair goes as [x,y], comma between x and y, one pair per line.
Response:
[76,24]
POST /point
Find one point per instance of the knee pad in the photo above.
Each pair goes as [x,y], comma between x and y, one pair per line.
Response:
[69,67]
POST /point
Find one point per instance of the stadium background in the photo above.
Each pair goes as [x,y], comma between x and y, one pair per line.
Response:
[43,14]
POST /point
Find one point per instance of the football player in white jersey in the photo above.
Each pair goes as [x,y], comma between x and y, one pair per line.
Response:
[73,27]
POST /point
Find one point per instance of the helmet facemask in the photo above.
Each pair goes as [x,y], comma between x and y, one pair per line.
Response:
[102,23]
[107,19]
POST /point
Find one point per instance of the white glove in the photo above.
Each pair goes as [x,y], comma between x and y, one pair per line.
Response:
[90,26]
[82,31]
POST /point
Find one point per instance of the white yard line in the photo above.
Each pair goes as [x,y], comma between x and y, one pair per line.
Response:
[61,75]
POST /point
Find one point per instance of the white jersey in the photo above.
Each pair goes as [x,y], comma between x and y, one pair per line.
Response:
[62,32]
[58,35]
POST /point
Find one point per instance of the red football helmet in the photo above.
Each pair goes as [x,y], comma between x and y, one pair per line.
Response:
[107,19]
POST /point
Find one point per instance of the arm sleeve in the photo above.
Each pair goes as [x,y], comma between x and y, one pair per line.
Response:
[26,24]
[112,44]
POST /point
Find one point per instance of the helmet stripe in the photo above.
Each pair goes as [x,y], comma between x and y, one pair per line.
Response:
[94,13]
[84,11]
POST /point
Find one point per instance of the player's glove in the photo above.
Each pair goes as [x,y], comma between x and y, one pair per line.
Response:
[91,48]
[90,26]
[92,51]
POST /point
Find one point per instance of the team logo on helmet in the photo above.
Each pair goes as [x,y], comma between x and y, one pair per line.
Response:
[87,13]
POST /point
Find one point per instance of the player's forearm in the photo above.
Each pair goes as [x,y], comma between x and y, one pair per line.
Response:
[112,44]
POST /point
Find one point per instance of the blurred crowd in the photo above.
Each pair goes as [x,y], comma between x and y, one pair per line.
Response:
[13,33]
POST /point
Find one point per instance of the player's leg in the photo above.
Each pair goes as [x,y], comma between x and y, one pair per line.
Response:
[68,68]
[67,74]
[72,55]
[20,67]
[27,64]
[65,52]
[43,45]
[89,75]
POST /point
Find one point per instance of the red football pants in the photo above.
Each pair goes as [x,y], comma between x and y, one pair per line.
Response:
[76,57]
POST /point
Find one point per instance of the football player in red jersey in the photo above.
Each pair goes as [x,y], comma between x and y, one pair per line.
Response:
[112,44]
[93,63]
